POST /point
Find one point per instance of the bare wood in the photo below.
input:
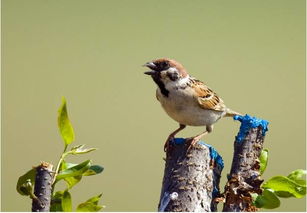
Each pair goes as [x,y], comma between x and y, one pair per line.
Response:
[244,177]
[42,188]
[191,180]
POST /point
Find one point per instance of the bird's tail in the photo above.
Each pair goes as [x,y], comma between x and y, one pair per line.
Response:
[231,113]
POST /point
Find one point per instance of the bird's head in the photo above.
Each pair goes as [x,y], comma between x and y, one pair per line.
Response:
[165,70]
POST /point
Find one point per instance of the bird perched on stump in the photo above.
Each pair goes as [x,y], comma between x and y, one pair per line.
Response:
[187,100]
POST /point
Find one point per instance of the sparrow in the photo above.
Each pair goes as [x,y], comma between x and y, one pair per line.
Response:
[185,99]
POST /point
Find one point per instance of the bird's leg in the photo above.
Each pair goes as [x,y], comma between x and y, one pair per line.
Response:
[172,135]
[195,139]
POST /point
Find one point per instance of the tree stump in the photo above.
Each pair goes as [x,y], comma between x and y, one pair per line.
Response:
[42,188]
[191,178]
[244,177]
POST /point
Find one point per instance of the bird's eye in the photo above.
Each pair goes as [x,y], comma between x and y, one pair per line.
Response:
[164,64]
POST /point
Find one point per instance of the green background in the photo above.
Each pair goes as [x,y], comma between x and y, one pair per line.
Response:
[252,53]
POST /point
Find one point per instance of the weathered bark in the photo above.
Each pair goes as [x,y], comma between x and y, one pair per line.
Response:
[42,188]
[244,177]
[191,178]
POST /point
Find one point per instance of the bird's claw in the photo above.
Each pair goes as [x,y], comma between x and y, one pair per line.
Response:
[192,141]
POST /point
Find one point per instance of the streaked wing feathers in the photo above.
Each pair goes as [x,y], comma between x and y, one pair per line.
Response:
[206,98]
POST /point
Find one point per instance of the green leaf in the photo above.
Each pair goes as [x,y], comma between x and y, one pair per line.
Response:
[283,194]
[297,175]
[66,165]
[65,127]
[94,199]
[80,150]
[56,202]
[74,171]
[88,207]
[263,160]
[71,181]
[283,185]
[93,170]
[267,200]
[25,183]
[66,202]
[61,202]
[91,205]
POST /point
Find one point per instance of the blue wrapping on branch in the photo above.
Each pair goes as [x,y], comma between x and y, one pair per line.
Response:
[248,122]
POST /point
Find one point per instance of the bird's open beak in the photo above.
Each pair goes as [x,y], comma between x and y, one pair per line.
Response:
[150,72]
[152,66]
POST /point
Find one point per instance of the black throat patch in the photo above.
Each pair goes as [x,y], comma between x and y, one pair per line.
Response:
[160,84]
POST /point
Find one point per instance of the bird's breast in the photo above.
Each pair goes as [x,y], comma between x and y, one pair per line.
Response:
[182,106]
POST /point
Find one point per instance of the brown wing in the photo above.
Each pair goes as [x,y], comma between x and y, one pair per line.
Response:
[206,98]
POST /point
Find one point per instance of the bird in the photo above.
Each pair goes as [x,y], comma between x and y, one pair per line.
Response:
[187,100]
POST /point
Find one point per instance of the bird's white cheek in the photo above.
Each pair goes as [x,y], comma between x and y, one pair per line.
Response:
[163,75]
[164,78]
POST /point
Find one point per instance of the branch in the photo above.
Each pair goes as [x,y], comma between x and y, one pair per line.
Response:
[244,177]
[191,179]
[59,164]
[42,189]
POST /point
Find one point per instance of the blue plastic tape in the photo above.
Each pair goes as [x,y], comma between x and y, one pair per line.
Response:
[248,122]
